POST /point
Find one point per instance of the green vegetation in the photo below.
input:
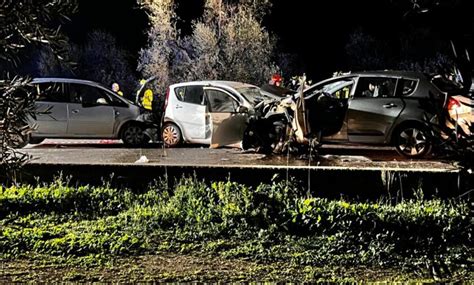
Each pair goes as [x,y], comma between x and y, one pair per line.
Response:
[268,225]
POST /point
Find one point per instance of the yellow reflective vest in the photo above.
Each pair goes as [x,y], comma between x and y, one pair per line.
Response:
[147,99]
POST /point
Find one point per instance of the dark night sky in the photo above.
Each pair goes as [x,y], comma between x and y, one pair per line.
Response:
[315,30]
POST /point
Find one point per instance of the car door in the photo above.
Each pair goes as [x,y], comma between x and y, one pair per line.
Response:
[90,114]
[51,107]
[228,124]
[373,109]
[190,111]
[328,114]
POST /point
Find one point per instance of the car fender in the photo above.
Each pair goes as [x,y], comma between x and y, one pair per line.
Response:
[124,123]
[400,124]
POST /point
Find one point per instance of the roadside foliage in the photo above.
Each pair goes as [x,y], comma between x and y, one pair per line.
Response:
[269,223]
[16,105]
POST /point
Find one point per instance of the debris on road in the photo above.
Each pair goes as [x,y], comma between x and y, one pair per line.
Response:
[142,159]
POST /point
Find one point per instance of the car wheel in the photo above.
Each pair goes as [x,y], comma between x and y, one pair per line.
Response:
[133,135]
[412,141]
[171,135]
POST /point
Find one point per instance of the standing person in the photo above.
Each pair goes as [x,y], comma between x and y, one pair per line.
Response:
[276,80]
[145,96]
[147,100]
[275,87]
[116,88]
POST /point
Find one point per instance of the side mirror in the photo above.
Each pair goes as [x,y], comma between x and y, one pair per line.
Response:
[242,109]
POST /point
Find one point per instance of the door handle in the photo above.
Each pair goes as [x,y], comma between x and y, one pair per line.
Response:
[117,113]
[75,111]
[390,105]
[179,107]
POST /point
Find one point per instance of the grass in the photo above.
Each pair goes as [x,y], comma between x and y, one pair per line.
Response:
[272,228]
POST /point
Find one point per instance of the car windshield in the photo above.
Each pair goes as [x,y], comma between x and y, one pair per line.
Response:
[254,94]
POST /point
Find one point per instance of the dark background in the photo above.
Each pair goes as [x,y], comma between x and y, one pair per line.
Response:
[316,32]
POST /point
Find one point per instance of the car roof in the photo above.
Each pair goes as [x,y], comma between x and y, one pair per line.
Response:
[397,73]
[64,80]
[376,73]
[218,83]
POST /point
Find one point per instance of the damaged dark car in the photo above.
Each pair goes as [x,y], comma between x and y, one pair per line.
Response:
[379,108]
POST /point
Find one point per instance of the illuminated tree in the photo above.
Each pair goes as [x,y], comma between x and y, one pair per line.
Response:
[227,43]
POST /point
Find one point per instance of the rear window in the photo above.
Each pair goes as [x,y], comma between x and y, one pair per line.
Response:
[52,92]
[446,85]
[190,94]
[406,87]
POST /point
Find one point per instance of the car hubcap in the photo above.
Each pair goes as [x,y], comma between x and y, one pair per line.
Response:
[170,135]
[412,142]
[134,135]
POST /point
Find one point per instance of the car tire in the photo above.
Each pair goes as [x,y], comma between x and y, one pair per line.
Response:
[171,135]
[412,141]
[133,135]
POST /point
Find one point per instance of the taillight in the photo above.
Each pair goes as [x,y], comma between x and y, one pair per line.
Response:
[453,104]
[166,99]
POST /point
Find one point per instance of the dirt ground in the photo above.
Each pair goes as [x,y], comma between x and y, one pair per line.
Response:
[184,268]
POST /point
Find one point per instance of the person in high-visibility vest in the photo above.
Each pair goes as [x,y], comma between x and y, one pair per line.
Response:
[147,100]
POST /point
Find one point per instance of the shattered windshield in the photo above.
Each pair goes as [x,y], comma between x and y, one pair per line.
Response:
[254,94]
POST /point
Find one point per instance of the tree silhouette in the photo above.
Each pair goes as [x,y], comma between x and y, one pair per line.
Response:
[24,23]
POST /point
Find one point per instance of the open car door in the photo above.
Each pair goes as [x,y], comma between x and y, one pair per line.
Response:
[228,120]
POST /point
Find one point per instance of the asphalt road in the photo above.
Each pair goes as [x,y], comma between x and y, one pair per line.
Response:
[111,152]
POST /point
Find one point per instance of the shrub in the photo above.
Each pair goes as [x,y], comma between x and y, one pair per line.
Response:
[61,198]
[276,222]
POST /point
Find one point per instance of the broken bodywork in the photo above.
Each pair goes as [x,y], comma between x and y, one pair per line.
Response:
[384,107]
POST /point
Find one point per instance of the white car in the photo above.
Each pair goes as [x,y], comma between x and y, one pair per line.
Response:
[214,113]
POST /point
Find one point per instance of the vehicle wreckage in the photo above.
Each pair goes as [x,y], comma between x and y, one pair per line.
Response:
[382,108]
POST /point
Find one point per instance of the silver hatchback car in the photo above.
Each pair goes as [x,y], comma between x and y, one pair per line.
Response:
[71,108]
[209,112]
